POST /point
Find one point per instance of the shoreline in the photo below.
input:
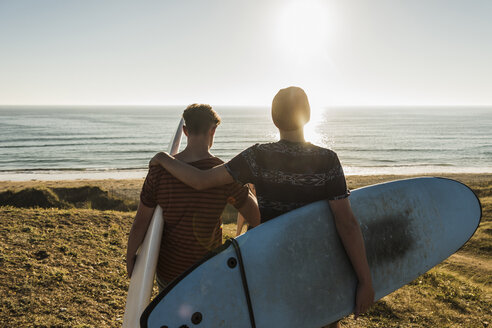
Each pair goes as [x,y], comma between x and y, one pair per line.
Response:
[89,175]
[130,188]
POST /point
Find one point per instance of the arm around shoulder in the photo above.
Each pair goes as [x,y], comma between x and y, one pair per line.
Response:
[190,175]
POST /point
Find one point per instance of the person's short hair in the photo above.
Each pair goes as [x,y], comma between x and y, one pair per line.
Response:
[199,118]
[290,109]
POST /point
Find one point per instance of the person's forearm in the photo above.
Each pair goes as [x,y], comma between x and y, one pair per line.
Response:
[187,174]
[135,239]
[139,228]
[250,211]
[190,175]
[351,236]
[137,234]
[240,224]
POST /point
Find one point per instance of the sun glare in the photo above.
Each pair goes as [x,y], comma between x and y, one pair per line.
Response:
[304,28]
[312,132]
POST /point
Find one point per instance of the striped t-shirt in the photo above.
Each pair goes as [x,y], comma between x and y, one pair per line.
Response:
[288,175]
[192,219]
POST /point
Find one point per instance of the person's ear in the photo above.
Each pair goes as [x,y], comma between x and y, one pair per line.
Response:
[185,131]
[212,130]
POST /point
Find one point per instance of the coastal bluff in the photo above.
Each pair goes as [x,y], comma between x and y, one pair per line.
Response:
[64,265]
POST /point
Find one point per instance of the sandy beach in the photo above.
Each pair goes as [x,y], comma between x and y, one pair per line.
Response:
[64,266]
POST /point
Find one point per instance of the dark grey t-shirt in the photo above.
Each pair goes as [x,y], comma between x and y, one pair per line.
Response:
[288,175]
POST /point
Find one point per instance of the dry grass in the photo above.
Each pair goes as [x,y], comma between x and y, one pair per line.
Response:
[65,268]
[62,268]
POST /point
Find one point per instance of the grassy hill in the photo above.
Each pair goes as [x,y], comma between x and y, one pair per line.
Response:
[64,267]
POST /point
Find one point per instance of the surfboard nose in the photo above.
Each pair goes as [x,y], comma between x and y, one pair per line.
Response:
[461,209]
[427,220]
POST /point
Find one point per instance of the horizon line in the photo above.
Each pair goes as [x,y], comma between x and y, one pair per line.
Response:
[251,105]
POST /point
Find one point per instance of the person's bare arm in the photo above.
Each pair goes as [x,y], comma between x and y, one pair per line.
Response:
[137,234]
[240,224]
[190,175]
[250,211]
[349,231]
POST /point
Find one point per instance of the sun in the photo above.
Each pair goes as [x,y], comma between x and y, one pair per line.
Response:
[304,28]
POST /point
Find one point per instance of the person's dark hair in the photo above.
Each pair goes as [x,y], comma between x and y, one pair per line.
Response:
[290,109]
[199,118]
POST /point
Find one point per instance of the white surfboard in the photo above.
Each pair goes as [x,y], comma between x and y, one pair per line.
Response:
[142,280]
[293,271]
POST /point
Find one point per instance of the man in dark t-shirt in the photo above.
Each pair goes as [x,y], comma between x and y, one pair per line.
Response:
[288,174]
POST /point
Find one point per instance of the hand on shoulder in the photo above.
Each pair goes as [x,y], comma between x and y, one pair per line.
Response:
[159,159]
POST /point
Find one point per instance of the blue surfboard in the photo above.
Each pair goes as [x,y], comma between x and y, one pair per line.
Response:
[293,271]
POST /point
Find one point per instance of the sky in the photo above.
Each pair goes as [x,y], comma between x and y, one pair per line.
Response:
[343,53]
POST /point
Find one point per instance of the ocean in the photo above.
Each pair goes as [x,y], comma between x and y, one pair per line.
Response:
[50,143]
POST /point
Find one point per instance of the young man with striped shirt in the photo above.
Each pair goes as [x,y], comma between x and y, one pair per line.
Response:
[289,174]
[192,219]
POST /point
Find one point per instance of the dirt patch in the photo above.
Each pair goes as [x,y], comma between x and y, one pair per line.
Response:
[91,197]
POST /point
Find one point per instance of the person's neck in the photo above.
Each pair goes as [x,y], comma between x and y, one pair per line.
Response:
[195,150]
[292,136]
